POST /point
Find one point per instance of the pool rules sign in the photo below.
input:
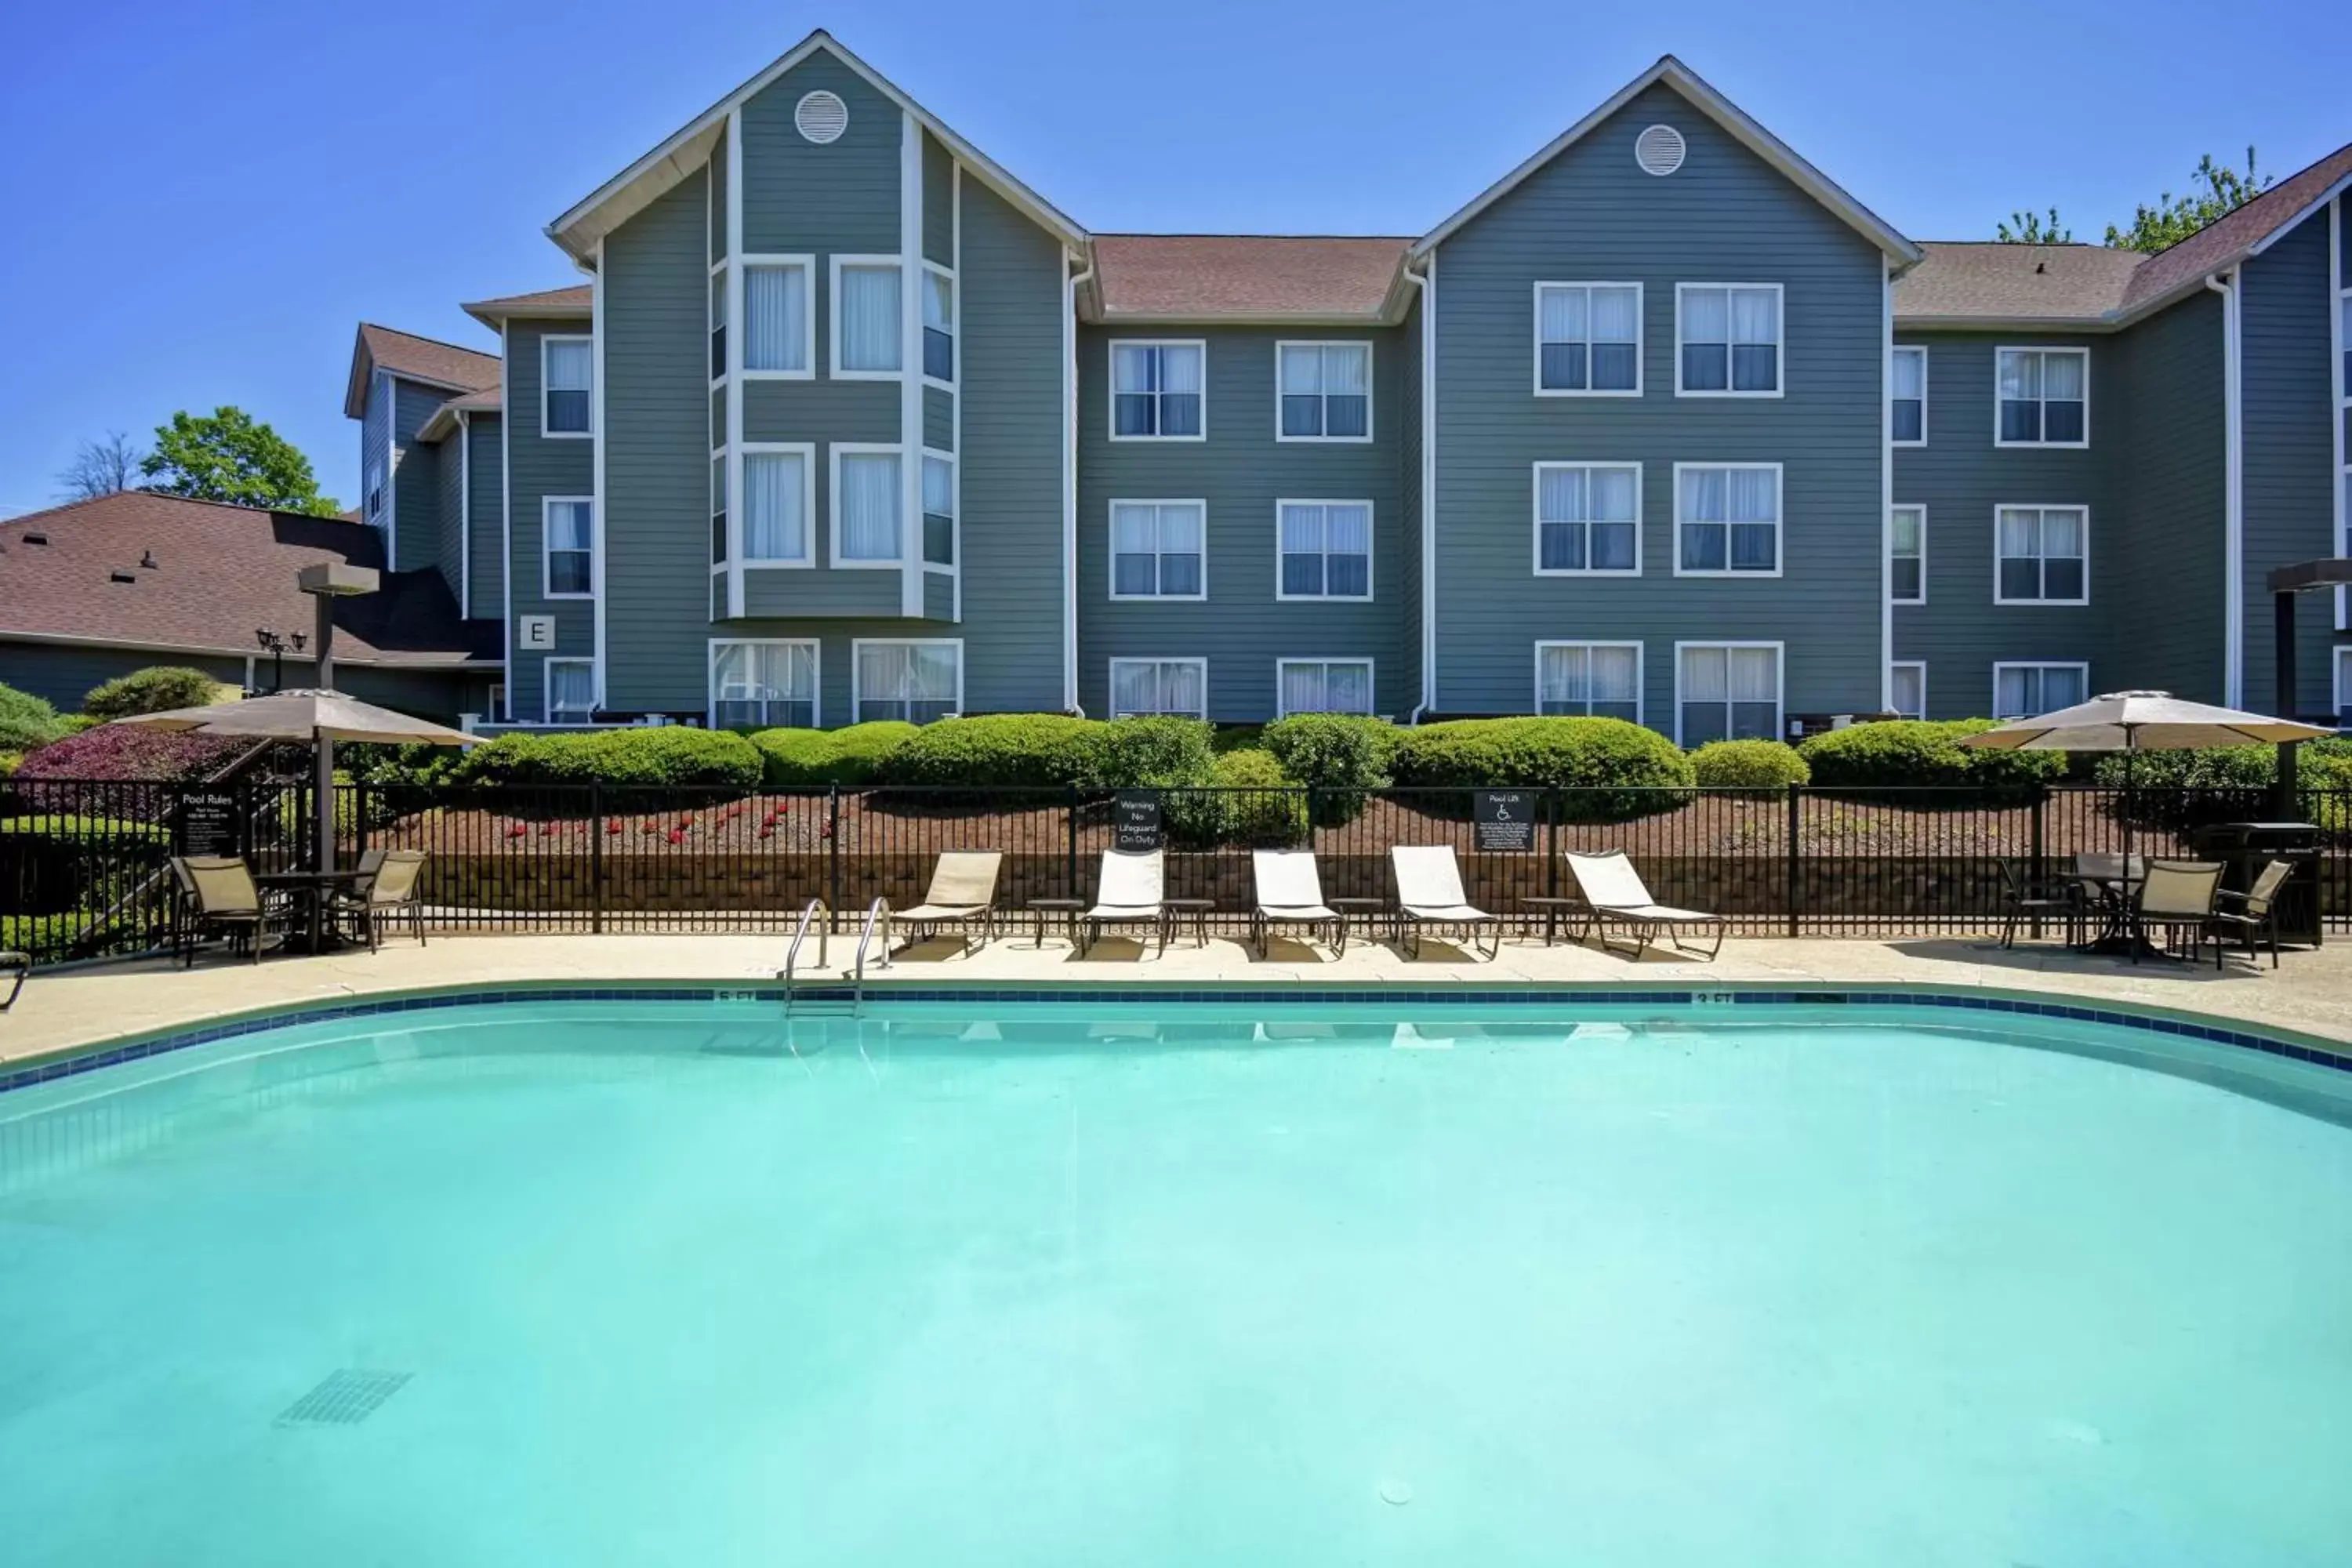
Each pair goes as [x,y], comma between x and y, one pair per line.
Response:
[1503,821]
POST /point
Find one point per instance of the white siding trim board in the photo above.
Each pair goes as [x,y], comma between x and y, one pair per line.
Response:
[910,367]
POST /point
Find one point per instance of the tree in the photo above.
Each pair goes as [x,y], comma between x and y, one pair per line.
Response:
[2217,191]
[101,469]
[230,456]
[2031,228]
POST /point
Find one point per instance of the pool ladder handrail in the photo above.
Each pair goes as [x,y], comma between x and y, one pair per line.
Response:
[876,913]
[800,933]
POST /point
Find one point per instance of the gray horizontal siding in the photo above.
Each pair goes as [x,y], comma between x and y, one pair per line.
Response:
[938,419]
[939,202]
[420,532]
[2164,456]
[2290,454]
[486,475]
[859,591]
[449,510]
[800,197]
[540,468]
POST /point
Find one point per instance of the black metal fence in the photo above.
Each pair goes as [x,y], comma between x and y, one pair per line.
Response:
[83,866]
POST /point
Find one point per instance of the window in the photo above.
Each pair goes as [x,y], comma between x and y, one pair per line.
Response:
[2044,396]
[1143,687]
[375,490]
[567,372]
[938,510]
[1156,393]
[1727,337]
[2024,690]
[1326,548]
[866,502]
[1597,679]
[916,681]
[2040,552]
[1324,686]
[1906,689]
[1326,392]
[719,321]
[2344,689]
[1588,518]
[1158,550]
[1727,691]
[1909,392]
[939,326]
[568,542]
[779,333]
[867,331]
[1587,339]
[1727,519]
[778,497]
[763,685]
[1907,542]
[718,508]
[570,691]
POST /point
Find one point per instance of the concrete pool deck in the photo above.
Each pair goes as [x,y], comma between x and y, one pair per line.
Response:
[2310,995]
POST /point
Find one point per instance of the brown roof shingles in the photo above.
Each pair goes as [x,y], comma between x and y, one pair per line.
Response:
[2220,243]
[428,358]
[1988,280]
[1243,276]
[578,299]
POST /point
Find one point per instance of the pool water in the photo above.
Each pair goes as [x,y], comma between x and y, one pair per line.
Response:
[665,1284]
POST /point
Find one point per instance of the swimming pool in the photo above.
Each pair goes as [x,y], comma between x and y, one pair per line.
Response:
[562,1282]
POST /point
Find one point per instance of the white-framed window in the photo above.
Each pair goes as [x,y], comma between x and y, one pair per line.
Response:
[1588,340]
[717,317]
[1596,679]
[938,509]
[1158,390]
[1324,550]
[1727,520]
[917,681]
[1906,688]
[567,690]
[779,503]
[779,326]
[375,490]
[494,704]
[568,546]
[1727,691]
[939,325]
[2344,689]
[2042,555]
[1907,389]
[1728,339]
[719,550]
[567,386]
[763,683]
[1145,688]
[1323,686]
[2042,397]
[1324,391]
[1587,519]
[866,518]
[869,332]
[2024,690]
[1159,550]
[1907,549]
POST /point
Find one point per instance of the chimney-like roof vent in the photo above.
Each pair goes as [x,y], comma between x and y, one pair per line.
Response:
[147,559]
[121,575]
[36,539]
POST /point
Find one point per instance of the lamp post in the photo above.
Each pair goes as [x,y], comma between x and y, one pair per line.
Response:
[326,583]
[2285,582]
[275,644]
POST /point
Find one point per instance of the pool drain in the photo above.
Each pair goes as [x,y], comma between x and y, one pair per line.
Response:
[1396,1492]
[345,1399]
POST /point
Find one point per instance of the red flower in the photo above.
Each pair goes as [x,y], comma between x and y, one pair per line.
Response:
[767,830]
[547,830]
[686,819]
[613,826]
[517,830]
[678,835]
[825,831]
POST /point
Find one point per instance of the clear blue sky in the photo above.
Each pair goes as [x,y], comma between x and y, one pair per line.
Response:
[203,200]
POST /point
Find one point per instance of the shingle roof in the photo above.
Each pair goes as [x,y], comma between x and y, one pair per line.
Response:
[1961,282]
[576,299]
[1243,276]
[2221,244]
[428,358]
[220,573]
[444,419]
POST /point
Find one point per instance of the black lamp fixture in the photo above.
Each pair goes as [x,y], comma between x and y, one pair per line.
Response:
[275,644]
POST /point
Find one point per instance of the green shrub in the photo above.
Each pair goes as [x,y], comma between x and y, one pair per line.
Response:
[801,758]
[1339,756]
[8,761]
[1271,813]
[48,938]
[156,689]
[996,751]
[27,722]
[1129,753]
[1237,738]
[664,755]
[65,860]
[2224,784]
[1756,765]
[1612,768]
[1895,754]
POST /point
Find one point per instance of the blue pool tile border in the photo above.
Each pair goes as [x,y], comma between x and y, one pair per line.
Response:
[92,1060]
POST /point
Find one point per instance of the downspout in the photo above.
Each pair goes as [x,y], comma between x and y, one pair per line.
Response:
[2233,506]
[1423,280]
[1070,482]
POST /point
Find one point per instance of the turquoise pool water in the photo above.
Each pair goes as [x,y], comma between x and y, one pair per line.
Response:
[1008,1285]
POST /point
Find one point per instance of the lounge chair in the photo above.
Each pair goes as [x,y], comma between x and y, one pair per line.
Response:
[218,893]
[1613,892]
[2178,895]
[962,893]
[1127,893]
[389,893]
[1290,892]
[2254,916]
[21,965]
[1429,893]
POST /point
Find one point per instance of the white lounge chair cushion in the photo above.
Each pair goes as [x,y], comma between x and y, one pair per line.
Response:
[1611,886]
[1124,912]
[1296,912]
[1662,914]
[942,912]
[1446,912]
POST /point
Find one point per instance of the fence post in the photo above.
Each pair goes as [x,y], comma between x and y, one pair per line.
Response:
[1795,851]
[1551,843]
[2039,874]
[1070,853]
[833,855]
[596,857]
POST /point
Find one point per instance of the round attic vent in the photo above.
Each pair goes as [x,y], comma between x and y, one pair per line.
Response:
[1659,149]
[820,117]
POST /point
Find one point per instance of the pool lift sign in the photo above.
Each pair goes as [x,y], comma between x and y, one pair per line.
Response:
[1503,821]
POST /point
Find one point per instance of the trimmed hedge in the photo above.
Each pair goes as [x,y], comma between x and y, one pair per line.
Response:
[127,752]
[668,756]
[1340,756]
[1271,812]
[1614,767]
[800,758]
[1912,754]
[994,751]
[2165,784]
[1130,754]
[1760,765]
[156,689]
[27,722]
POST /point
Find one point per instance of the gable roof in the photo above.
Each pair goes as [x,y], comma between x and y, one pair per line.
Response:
[443,420]
[576,299]
[426,359]
[635,187]
[1989,283]
[1264,278]
[2231,238]
[1725,113]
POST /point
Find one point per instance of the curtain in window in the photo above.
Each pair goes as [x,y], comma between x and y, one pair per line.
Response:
[939,511]
[1349,530]
[570,687]
[1563,680]
[1753,674]
[868,506]
[883,672]
[1615,679]
[1560,495]
[1134,689]
[1302,373]
[2062,377]
[1302,689]
[1615,318]
[1563,316]
[1910,375]
[938,301]
[1132,367]
[1179,370]
[869,318]
[1705,675]
[775,525]
[570,366]
[1346,371]
[1707,495]
[775,316]
[931,681]
[1613,496]
[2019,376]
[1180,549]
[570,526]
[1706,316]
[1909,690]
[1349,688]
[2020,532]
[1183,689]
[2061,534]
[1755,316]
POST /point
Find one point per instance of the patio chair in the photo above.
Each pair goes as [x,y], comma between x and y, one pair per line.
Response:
[392,895]
[1290,892]
[2256,914]
[1127,893]
[2025,896]
[20,964]
[218,894]
[2179,896]
[962,893]
[1613,892]
[1429,893]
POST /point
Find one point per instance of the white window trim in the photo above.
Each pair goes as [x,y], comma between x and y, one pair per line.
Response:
[1371,680]
[547,504]
[1779,346]
[1780,533]
[1779,679]
[1921,666]
[955,329]
[1371,553]
[1921,350]
[2007,664]
[718,276]
[1997,558]
[1641,340]
[816,673]
[1922,509]
[807,264]
[1110,380]
[734,525]
[1640,670]
[897,263]
[547,689]
[955,515]
[1535,520]
[1110,695]
[739,516]
[2339,684]
[836,452]
[2000,349]
[1110,537]
[857,697]
[545,389]
[1371,392]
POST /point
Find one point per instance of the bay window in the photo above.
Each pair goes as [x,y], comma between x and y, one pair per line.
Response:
[778,330]
[868,334]
[777,485]
[866,506]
